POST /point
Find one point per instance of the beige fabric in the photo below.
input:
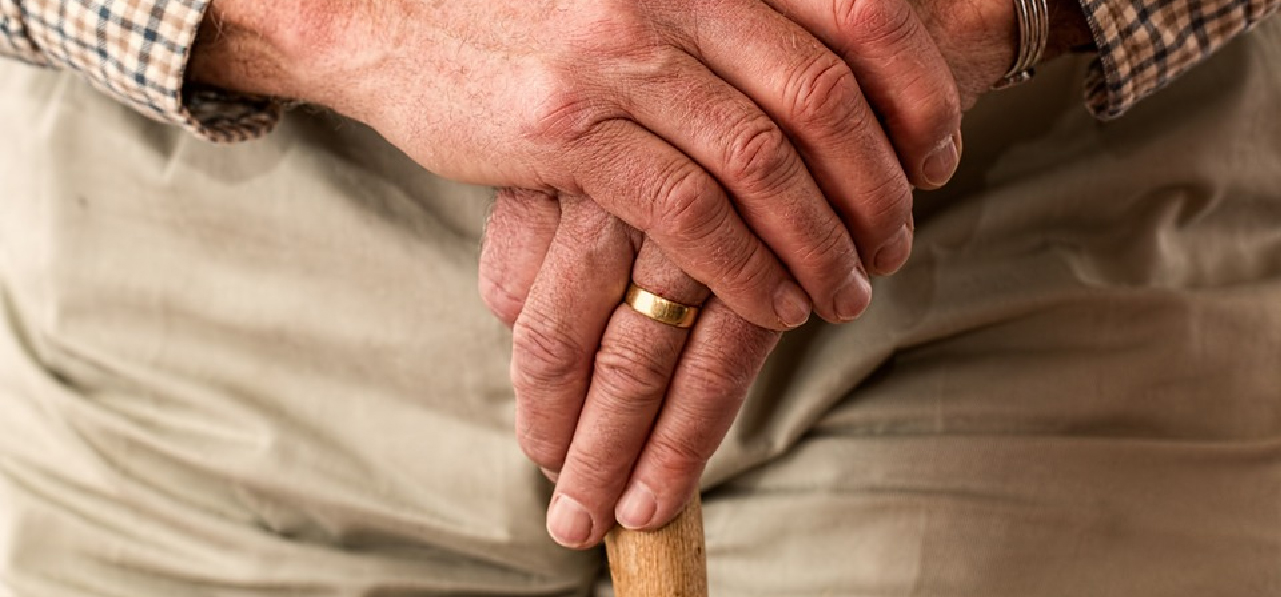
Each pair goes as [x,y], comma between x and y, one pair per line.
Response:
[264,370]
[1074,388]
[255,369]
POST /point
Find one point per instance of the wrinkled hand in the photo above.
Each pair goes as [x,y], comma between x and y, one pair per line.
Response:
[729,134]
[660,399]
[568,262]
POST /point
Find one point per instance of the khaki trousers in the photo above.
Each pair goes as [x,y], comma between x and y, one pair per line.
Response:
[263,369]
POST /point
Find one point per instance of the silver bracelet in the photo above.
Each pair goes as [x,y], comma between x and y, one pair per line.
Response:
[1034,31]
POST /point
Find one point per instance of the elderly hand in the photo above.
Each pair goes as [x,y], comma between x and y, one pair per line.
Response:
[605,395]
[660,398]
[734,138]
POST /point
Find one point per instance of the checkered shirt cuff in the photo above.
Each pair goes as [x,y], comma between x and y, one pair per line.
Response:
[15,39]
[1145,44]
[136,51]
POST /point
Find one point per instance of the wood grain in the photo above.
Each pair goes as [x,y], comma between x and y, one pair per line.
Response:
[669,562]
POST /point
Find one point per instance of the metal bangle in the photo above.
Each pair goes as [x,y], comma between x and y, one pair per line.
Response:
[1033,18]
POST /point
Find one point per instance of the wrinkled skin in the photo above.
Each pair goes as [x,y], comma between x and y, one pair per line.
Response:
[621,411]
[761,152]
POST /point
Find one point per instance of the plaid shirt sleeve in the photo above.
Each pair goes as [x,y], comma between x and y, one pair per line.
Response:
[1145,44]
[136,51]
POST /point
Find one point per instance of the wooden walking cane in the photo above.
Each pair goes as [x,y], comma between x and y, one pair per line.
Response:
[669,562]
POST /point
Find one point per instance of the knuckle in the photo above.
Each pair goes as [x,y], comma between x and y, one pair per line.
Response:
[717,378]
[878,22]
[862,122]
[679,456]
[544,355]
[935,107]
[759,158]
[945,108]
[716,383]
[928,111]
[825,94]
[655,65]
[568,112]
[540,448]
[571,104]
[891,202]
[599,474]
[686,207]
[734,265]
[748,268]
[930,108]
[542,436]
[619,36]
[831,247]
[499,299]
[611,28]
[631,373]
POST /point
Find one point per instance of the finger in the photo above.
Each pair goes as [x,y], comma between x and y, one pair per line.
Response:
[557,333]
[814,96]
[903,74]
[722,357]
[518,234]
[633,367]
[728,134]
[657,189]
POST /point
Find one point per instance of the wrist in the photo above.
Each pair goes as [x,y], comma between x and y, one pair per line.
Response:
[980,38]
[287,49]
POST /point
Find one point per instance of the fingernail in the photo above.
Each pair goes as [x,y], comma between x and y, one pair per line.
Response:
[568,522]
[791,305]
[637,507]
[942,162]
[893,254]
[551,475]
[853,298]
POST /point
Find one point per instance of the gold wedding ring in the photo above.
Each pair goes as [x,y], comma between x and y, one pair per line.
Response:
[660,309]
